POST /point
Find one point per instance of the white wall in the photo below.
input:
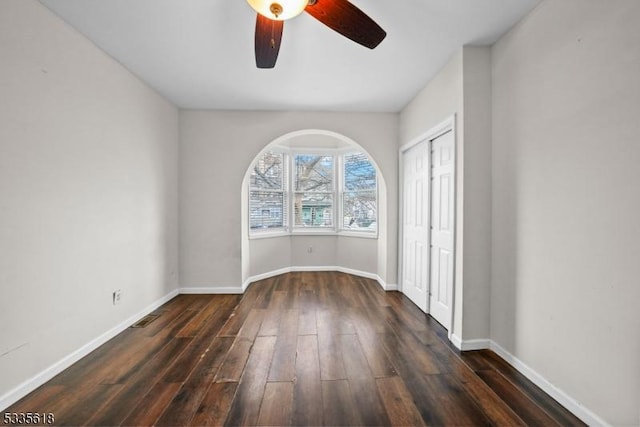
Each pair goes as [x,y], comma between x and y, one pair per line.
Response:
[88,185]
[475,224]
[463,88]
[276,253]
[566,200]
[360,253]
[267,255]
[439,99]
[217,148]
[324,249]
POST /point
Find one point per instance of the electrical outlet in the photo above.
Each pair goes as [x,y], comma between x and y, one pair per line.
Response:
[117,296]
[310,249]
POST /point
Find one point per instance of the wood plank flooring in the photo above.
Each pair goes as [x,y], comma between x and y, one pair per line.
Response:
[297,349]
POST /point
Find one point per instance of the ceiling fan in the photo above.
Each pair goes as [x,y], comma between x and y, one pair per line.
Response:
[339,15]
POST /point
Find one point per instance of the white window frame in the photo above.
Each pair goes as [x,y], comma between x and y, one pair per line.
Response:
[275,231]
[296,229]
[338,229]
[342,190]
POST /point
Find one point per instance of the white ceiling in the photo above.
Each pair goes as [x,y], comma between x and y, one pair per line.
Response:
[199,53]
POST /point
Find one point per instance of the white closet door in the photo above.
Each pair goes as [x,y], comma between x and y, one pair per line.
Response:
[415,244]
[442,227]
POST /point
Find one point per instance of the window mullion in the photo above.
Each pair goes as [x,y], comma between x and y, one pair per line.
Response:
[290,192]
[352,192]
[339,190]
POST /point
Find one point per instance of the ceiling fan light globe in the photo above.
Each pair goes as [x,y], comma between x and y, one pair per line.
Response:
[284,9]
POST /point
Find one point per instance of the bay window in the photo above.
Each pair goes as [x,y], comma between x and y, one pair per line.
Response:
[313,192]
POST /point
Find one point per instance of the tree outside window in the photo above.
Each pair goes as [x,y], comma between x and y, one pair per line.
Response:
[267,193]
[359,196]
[314,188]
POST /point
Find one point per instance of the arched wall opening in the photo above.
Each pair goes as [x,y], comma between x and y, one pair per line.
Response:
[361,255]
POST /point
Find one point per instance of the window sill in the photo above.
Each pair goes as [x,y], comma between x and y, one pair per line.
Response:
[360,234]
[342,233]
[268,234]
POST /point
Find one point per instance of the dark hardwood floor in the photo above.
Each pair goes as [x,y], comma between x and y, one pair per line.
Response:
[297,349]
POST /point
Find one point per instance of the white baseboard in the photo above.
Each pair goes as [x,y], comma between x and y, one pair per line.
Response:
[468,345]
[12,396]
[315,268]
[263,276]
[560,396]
[360,273]
[366,274]
[212,290]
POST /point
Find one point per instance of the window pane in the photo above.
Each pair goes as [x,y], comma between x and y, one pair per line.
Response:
[359,173]
[268,172]
[266,210]
[359,210]
[313,209]
[313,173]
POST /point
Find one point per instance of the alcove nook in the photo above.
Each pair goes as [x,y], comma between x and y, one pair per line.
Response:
[344,243]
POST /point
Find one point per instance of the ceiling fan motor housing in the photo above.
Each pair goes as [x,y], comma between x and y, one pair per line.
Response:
[279,10]
[276,9]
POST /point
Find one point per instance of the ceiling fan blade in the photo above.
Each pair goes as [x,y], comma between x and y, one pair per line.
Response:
[345,18]
[267,42]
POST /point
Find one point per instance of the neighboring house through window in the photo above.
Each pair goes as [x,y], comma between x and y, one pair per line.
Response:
[313,191]
[267,193]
